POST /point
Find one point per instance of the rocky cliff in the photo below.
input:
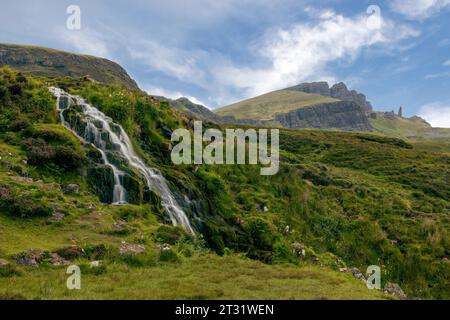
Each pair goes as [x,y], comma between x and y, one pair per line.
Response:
[337,91]
[344,115]
[46,62]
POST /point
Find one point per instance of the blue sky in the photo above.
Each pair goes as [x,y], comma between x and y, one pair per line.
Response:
[219,52]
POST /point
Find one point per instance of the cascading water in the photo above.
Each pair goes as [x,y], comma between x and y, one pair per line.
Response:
[98,123]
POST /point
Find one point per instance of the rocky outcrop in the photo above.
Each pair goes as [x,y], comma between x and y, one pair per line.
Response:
[344,115]
[54,63]
[395,290]
[338,91]
[321,88]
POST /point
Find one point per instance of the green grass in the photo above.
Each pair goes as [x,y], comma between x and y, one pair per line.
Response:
[350,199]
[413,129]
[204,276]
[266,106]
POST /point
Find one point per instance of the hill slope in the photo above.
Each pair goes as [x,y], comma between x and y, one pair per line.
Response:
[340,199]
[47,62]
[266,106]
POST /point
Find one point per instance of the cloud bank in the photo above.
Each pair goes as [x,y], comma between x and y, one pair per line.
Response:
[419,9]
[437,114]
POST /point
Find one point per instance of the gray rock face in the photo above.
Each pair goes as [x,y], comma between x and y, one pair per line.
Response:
[338,91]
[344,115]
[321,88]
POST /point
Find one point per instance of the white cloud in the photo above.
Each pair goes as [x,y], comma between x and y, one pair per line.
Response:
[157,91]
[181,64]
[447,63]
[282,57]
[437,75]
[419,9]
[437,114]
[84,41]
[303,51]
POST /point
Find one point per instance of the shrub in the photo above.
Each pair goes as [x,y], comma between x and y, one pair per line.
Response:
[139,260]
[169,234]
[8,271]
[168,256]
[23,205]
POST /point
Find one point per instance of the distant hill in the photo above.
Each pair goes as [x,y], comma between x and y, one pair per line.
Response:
[307,105]
[338,91]
[413,129]
[266,106]
[45,62]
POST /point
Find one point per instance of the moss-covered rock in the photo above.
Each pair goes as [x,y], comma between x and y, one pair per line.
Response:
[134,188]
[101,178]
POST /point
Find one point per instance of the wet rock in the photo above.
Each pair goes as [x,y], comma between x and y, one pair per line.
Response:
[30,257]
[166,132]
[394,289]
[102,177]
[129,248]
[71,188]
[135,189]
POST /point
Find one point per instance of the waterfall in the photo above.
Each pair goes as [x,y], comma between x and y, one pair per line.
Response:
[97,124]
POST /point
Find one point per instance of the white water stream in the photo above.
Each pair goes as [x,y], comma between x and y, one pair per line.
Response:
[98,123]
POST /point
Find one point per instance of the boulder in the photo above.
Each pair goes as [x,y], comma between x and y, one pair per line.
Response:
[96,263]
[71,188]
[30,257]
[164,247]
[298,249]
[119,227]
[133,249]
[355,272]
[394,289]
[57,260]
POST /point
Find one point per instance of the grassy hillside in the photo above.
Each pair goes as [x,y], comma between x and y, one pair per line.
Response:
[48,62]
[265,107]
[349,199]
[413,129]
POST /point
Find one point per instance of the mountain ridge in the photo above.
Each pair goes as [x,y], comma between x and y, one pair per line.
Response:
[42,61]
